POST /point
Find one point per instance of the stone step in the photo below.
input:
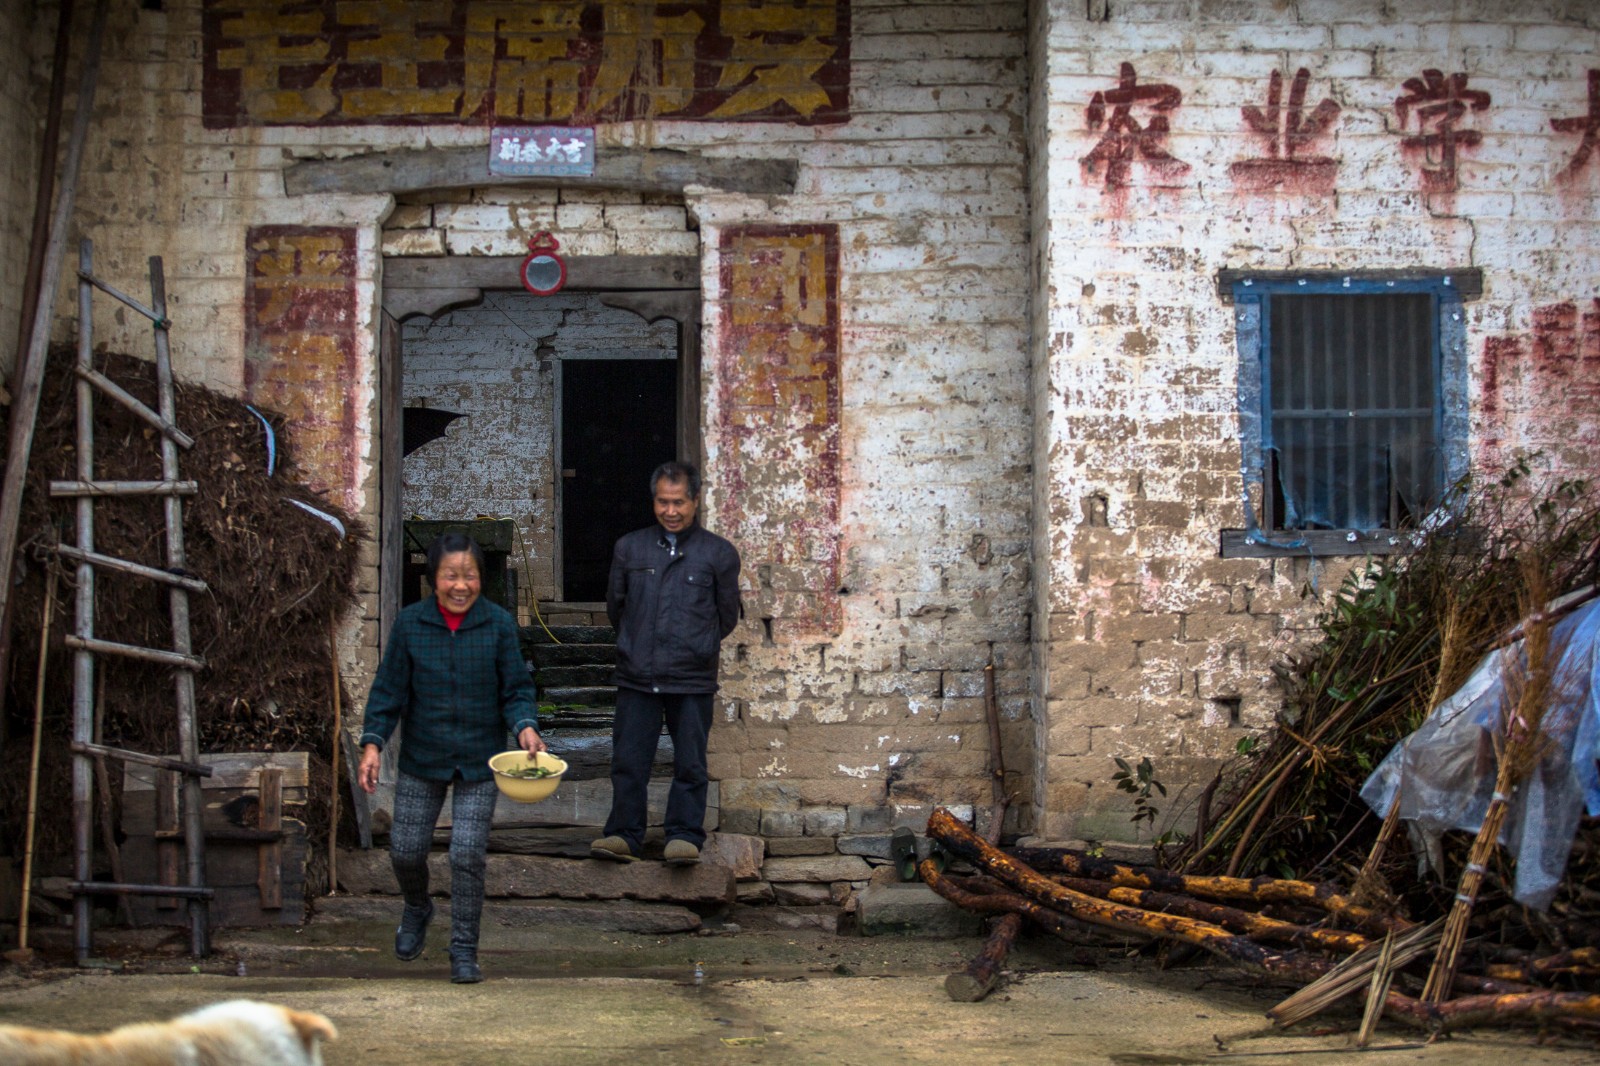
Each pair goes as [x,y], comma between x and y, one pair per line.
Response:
[589,674]
[545,655]
[534,635]
[912,908]
[581,695]
[540,877]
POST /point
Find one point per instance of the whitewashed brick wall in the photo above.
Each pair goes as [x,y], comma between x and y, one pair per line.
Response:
[1150,635]
[926,184]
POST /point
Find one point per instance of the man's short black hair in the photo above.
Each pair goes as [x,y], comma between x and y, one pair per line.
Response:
[449,544]
[675,472]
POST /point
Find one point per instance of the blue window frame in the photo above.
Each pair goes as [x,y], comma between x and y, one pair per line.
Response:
[1352,405]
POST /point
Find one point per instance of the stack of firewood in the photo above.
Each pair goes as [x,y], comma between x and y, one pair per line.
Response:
[1306,934]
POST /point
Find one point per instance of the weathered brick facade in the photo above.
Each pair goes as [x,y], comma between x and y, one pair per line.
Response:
[971,388]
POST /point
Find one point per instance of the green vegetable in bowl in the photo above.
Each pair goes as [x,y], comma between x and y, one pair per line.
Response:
[529,773]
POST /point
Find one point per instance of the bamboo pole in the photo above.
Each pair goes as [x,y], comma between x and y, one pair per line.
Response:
[338,726]
[33,765]
[29,380]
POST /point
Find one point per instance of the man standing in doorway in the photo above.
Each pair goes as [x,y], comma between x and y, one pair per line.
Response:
[672,597]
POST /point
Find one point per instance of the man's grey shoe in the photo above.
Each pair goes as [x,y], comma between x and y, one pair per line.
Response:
[413,931]
[614,849]
[681,853]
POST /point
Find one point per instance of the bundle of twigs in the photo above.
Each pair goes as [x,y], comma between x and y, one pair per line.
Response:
[1531,692]
[1229,918]
[1400,634]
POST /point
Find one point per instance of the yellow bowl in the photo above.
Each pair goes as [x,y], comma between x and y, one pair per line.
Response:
[527,789]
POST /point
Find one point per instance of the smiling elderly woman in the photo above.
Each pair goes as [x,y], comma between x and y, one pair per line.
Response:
[453,674]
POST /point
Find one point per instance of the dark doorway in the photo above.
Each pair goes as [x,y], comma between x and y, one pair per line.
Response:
[618,423]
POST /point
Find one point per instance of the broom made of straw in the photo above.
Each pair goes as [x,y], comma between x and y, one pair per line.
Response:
[1528,692]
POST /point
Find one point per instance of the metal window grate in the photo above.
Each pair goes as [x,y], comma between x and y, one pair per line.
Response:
[1351,402]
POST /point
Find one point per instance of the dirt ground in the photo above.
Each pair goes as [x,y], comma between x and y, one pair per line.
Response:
[566,984]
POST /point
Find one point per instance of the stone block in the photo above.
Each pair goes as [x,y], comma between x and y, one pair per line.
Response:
[739,852]
[754,892]
[817,868]
[742,820]
[782,824]
[867,845]
[884,909]
[801,894]
[790,846]
[865,818]
[824,821]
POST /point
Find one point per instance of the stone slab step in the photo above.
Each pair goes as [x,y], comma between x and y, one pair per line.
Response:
[534,635]
[614,916]
[545,656]
[583,695]
[577,674]
[541,877]
[912,908]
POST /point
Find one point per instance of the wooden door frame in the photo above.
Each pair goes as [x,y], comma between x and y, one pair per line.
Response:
[652,287]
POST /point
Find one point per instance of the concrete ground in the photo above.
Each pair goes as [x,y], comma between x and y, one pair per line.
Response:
[571,983]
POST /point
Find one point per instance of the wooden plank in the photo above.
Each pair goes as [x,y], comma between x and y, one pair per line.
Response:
[1468,282]
[225,813]
[167,851]
[133,651]
[659,170]
[160,762]
[360,802]
[124,488]
[609,272]
[234,770]
[231,873]
[269,856]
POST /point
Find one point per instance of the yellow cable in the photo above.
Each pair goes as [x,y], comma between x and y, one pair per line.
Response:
[527,570]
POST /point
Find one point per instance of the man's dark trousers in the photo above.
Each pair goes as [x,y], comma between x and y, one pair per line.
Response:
[635,732]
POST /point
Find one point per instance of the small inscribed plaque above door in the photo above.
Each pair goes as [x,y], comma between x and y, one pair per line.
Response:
[542,151]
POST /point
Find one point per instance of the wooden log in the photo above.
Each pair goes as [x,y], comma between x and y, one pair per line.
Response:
[1232,918]
[982,896]
[983,972]
[1584,962]
[1325,897]
[1528,1008]
[966,844]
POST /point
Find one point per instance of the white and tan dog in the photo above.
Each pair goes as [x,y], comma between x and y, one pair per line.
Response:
[240,1032]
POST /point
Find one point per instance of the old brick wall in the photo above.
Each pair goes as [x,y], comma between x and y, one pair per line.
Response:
[496,364]
[24,35]
[1423,135]
[876,319]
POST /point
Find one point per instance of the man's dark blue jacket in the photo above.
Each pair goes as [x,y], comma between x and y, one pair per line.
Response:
[671,606]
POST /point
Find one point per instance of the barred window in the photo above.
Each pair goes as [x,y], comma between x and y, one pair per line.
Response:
[1352,407]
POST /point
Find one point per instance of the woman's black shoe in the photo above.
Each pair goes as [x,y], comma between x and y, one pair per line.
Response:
[464,970]
[408,939]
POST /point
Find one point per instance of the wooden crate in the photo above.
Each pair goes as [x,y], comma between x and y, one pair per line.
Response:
[255,855]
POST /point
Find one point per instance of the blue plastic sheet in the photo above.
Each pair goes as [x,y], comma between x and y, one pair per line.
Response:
[1444,773]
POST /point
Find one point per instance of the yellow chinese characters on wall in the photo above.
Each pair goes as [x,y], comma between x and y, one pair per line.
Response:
[574,62]
[778,413]
[300,343]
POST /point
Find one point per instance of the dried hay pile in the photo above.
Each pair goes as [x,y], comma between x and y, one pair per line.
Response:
[278,579]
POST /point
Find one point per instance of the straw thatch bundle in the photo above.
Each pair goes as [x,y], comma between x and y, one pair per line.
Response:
[278,577]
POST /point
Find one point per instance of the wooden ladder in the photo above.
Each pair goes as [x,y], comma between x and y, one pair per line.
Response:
[87,751]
